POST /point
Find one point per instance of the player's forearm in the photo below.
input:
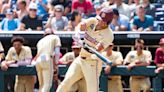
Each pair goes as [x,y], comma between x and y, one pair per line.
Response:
[143,64]
[24,62]
[57,53]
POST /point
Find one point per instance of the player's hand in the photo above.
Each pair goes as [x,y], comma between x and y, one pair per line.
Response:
[69,63]
[4,66]
[107,69]
[159,69]
[130,66]
[140,29]
[99,47]
[83,26]
[138,62]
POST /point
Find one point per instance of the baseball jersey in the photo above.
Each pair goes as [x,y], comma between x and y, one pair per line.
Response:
[67,57]
[1,47]
[51,41]
[132,56]
[92,36]
[24,54]
[114,57]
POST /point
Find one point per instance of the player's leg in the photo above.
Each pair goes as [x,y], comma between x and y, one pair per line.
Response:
[91,70]
[40,77]
[19,86]
[135,85]
[74,87]
[82,85]
[29,85]
[47,74]
[74,73]
[145,84]
[114,85]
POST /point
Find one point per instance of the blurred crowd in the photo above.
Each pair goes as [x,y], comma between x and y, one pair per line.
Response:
[65,15]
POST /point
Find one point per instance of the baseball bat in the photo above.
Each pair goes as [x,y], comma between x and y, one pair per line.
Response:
[103,58]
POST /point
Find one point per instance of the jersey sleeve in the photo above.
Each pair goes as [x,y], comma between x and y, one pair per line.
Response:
[28,53]
[9,54]
[119,57]
[58,41]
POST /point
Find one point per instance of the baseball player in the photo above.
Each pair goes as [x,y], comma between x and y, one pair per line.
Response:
[67,59]
[20,55]
[139,57]
[114,82]
[87,65]
[47,48]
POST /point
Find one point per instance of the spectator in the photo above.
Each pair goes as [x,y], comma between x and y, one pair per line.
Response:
[74,21]
[122,8]
[97,8]
[9,23]
[133,8]
[139,57]
[149,8]
[120,22]
[57,22]
[22,9]
[60,2]
[6,5]
[83,6]
[20,55]
[1,4]
[31,21]
[108,3]
[159,56]
[66,3]
[1,52]
[114,82]
[142,22]
[42,7]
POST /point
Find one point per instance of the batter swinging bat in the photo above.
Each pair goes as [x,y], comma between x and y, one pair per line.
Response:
[103,58]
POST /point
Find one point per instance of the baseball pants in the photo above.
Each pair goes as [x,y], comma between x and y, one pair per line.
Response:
[137,84]
[82,68]
[45,71]
[115,85]
[79,86]
[24,84]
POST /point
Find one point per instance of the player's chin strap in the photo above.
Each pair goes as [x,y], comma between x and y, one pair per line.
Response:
[103,58]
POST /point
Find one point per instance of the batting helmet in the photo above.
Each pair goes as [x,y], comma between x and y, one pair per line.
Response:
[106,14]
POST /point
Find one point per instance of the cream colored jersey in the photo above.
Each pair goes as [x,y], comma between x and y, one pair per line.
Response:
[114,57]
[132,56]
[1,47]
[24,54]
[51,41]
[92,36]
[67,57]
